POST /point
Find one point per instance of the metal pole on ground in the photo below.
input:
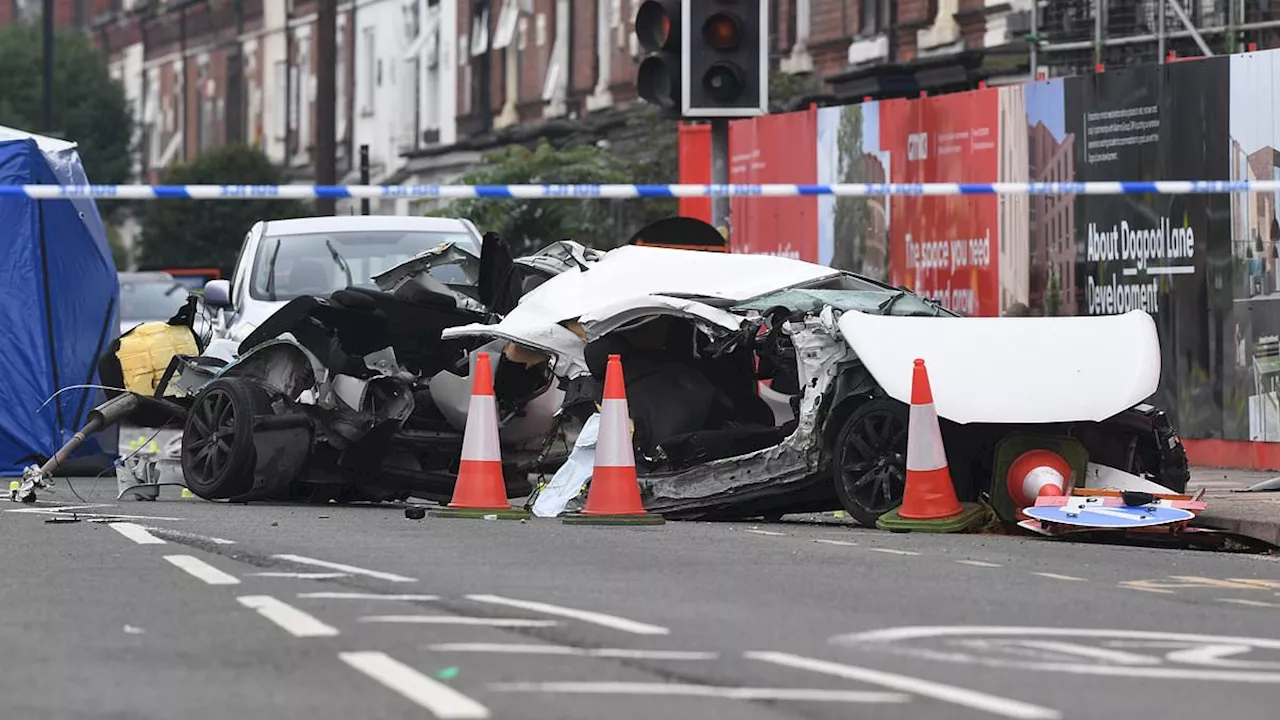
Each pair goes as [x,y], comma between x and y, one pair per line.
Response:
[720,171]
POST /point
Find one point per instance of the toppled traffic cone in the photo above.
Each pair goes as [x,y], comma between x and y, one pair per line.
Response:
[613,498]
[480,490]
[929,502]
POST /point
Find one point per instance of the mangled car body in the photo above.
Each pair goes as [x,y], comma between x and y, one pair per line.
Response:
[761,386]
[353,395]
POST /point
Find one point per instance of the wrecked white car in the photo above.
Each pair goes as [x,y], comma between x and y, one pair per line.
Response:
[355,395]
[760,386]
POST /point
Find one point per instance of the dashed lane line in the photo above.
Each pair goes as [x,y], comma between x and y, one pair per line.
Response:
[301,560]
[841,543]
[440,700]
[770,533]
[365,596]
[891,551]
[458,620]
[202,570]
[136,533]
[1056,576]
[709,691]
[993,704]
[302,575]
[979,563]
[294,621]
[1250,603]
[588,616]
[538,649]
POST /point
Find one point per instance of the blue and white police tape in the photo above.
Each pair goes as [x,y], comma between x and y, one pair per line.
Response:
[624,192]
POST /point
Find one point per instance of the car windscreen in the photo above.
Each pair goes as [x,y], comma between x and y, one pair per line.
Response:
[292,266]
[151,301]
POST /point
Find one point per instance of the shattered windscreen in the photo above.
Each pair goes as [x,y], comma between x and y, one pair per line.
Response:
[874,301]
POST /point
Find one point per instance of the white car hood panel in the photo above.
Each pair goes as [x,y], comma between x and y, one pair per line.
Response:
[631,275]
[1014,370]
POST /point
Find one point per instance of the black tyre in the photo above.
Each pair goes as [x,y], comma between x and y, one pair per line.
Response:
[870,460]
[218,454]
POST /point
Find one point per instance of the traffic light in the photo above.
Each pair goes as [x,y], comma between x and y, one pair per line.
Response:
[725,47]
[659,78]
[704,58]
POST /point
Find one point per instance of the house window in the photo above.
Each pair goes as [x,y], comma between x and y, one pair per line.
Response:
[873,17]
[368,70]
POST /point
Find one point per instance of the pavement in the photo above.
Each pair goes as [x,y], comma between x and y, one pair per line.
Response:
[1254,514]
[185,608]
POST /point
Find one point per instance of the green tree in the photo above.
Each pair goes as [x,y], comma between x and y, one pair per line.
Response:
[207,233]
[531,224]
[119,253]
[89,107]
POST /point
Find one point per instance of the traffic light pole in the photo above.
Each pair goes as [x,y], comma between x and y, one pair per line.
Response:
[720,171]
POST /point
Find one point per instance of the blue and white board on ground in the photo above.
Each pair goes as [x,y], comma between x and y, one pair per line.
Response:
[1109,516]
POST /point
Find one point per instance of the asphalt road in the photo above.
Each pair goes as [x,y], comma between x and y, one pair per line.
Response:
[201,610]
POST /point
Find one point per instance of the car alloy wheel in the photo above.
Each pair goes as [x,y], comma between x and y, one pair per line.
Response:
[870,465]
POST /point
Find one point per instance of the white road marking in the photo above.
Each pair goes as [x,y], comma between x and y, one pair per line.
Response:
[365,596]
[842,543]
[711,691]
[767,532]
[1115,657]
[136,533]
[458,620]
[302,576]
[293,620]
[203,570]
[441,700]
[609,621]
[898,639]
[1056,576]
[1250,603]
[979,563]
[392,577]
[938,691]
[170,533]
[530,649]
[894,552]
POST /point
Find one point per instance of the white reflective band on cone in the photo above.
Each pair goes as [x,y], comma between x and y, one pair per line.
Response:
[1038,478]
[480,441]
[924,440]
[613,448]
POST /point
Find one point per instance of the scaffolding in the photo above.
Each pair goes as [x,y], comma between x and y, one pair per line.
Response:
[1072,37]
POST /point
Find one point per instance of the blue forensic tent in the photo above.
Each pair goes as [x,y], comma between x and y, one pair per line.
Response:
[59,294]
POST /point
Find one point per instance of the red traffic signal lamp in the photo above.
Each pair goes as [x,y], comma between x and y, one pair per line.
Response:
[659,78]
[726,62]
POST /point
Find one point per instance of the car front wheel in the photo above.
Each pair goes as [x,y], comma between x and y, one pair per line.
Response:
[218,453]
[870,463]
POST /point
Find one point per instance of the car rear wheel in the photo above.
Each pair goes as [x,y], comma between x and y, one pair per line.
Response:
[870,468]
[218,453]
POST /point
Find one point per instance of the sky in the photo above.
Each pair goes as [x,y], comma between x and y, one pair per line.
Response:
[1253,100]
[1046,103]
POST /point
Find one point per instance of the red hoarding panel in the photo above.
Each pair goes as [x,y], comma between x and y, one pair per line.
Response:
[945,247]
[695,168]
[775,149]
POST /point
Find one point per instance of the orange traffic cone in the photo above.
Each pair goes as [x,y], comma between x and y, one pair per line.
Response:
[613,497]
[480,489]
[929,501]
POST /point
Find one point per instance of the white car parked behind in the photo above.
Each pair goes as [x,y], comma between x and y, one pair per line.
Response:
[284,259]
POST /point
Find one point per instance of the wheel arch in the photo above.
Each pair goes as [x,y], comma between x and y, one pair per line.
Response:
[280,365]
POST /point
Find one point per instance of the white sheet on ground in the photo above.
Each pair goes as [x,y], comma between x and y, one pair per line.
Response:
[569,479]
